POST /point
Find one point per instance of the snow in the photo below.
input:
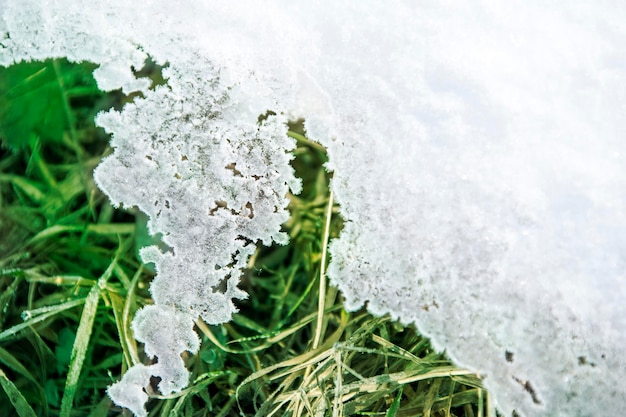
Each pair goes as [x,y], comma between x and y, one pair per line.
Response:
[477,149]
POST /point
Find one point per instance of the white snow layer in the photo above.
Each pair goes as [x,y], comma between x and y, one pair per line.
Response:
[477,148]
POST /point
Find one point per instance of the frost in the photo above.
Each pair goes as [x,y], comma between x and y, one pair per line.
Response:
[130,392]
[477,150]
[167,332]
[173,152]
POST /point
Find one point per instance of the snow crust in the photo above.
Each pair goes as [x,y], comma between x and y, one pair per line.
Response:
[478,156]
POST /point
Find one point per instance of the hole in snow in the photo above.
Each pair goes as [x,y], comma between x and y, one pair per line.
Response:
[250,212]
[152,71]
[246,240]
[154,383]
[218,205]
[222,285]
[232,168]
[263,117]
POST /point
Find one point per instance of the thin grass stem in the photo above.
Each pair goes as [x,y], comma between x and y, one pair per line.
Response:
[322,292]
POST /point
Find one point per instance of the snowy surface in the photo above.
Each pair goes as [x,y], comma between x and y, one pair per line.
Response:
[478,153]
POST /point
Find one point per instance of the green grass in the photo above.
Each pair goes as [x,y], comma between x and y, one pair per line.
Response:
[70,281]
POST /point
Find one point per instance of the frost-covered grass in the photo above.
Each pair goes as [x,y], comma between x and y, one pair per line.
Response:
[70,281]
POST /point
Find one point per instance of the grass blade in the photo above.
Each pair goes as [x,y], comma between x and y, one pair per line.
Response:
[16,397]
[395,406]
[80,349]
[102,408]
[10,361]
[50,311]
[6,296]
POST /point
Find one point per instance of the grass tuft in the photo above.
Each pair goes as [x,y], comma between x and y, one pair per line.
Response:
[70,282]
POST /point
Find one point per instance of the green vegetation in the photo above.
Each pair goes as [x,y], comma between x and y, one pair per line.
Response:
[70,281]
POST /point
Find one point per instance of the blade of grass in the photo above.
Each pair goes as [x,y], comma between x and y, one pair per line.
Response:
[439,372]
[30,188]
[431,396]
[11,362]
[131,345]
[98,229]
[50,311]
[304,140]
[6,296]
[60,280]
[300,362]
[102,408]
[39,162]
[15,396]
[79,350]
[392,411]
[83,334]
[450,393]
[337,404]
[69,116]
[322,292]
